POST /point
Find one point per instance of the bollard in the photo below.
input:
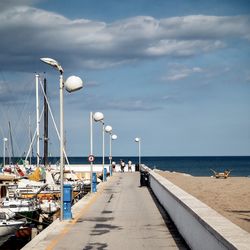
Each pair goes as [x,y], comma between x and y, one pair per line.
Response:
[104,174]
[67,198]
[94,182]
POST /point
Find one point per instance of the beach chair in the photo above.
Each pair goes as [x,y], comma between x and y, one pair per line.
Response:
[224,174]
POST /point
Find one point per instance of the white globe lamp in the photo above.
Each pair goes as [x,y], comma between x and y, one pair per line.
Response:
[114,137]
[108,129]
[73,83]
[98,116]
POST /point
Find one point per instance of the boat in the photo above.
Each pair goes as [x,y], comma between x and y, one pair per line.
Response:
[21,208]
[8,226]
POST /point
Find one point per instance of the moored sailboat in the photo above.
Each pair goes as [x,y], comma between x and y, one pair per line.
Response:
[8,226]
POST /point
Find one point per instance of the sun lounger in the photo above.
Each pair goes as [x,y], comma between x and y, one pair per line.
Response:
[224,174]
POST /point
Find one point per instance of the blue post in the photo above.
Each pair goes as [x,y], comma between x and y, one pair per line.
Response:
[67,199]
[105,174]
[94,182]
[110,170]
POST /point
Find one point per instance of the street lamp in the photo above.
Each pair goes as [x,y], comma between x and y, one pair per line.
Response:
[108,129]
[113,137]
[73,83]
[4,147]
[139,149]
[99,117]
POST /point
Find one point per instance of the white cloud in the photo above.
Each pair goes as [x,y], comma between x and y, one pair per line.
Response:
[28,33]
[196,69]
[206,27]
[182,48]
[130,105]
[123,103]
[177,76]
[6,4]
[179,72]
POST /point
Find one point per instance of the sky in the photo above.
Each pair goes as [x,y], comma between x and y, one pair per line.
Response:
[173,73]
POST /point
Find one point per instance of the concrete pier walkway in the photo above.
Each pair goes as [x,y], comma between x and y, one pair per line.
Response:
[122,215]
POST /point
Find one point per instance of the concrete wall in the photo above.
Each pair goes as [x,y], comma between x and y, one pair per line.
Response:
[201,226]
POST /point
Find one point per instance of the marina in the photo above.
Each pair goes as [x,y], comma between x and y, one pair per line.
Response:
[32,202]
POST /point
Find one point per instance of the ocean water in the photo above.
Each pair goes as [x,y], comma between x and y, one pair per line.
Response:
[197,166]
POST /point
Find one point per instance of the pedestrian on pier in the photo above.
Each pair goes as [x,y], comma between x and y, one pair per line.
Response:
[122,163]
[130,166]
[113,164]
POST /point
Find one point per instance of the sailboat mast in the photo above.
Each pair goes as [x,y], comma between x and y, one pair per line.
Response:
[37,123]
[30,136]
[11,143]
[46,132]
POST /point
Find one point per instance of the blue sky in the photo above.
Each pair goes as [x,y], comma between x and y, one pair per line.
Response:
[175,73]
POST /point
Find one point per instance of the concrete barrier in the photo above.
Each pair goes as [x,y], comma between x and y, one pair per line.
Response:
[200,226]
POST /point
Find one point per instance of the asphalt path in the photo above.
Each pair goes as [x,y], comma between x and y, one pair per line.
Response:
[123,215]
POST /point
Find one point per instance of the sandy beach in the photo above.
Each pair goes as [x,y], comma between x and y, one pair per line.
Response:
[230,197]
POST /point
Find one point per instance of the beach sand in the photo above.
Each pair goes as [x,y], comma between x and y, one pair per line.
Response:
[230,197]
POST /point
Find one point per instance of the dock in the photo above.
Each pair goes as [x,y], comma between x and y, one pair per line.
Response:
[121,215]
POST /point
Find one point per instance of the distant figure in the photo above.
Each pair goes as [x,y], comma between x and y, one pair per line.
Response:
[130,166]
[122,163]
[113,166]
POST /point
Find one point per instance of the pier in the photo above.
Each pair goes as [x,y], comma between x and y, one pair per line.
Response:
[124,215]
[121,215]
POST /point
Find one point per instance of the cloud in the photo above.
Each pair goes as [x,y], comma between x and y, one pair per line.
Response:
[6,4]
[12,96]
[132,105]
[123,103]
[28,33]
[182,48]
[177,76]
[207,27]
[179,72]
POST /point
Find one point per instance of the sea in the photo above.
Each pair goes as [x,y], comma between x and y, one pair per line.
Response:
[193,165]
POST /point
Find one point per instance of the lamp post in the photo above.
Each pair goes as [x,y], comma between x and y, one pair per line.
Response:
[139,149]
[112,137]
[108,129]
[4,147]
[73,83]
[91,149]
[99,117]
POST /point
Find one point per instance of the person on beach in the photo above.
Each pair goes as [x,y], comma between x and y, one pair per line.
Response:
[113,166]
[130,166]
[122,163]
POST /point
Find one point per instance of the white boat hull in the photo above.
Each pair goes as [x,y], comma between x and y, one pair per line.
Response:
[9,227]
